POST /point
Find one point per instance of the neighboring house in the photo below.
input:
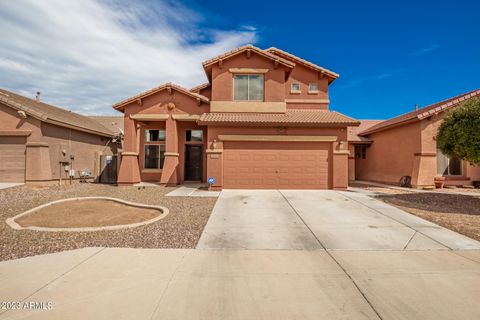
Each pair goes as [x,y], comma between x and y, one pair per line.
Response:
[357,146]
[40,142]
[262,121]
[113,123]
[406,146]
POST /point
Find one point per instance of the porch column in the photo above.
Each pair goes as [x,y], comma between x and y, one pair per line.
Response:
[129,172]
[339,167]
[215,164]
[170,173]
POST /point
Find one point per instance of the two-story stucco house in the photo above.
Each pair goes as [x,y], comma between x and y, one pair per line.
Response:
[261,121]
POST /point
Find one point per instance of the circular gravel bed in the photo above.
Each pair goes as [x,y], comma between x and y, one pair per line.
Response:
[181,228]
[87,214]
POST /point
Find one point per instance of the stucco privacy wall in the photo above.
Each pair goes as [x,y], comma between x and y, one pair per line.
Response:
[44,144]
[391,155]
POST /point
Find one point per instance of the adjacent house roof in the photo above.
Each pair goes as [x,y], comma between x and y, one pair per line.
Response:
[200,87]
[421,113]
[332,75]
[113,123]
[119,105]
[302,117]
[354,131]
[52,114]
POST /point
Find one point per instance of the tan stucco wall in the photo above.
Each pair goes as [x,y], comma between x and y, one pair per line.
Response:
[10,120]
[351,162]
[411,150]
[44,145]
[132,166]
[429,145]
[222,78]
[83,146]
[391,155]
[304,76]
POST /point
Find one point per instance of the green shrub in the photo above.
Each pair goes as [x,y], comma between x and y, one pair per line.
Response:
[459,134]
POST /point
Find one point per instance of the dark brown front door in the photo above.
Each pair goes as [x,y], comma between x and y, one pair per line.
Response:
[193,162]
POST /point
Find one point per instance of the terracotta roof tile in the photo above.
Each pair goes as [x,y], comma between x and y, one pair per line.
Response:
[364,125]
[144,94]
[304,62]
[235,51]
[113,123]
[48,113]
[422,113]
[200,87]
[305,117]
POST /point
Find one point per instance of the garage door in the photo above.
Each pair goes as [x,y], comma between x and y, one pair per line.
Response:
[12,159]
[276,165]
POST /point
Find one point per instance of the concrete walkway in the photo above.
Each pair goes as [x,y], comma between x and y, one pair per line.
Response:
[5,185]
[190,189]
[319,219]
[96,283]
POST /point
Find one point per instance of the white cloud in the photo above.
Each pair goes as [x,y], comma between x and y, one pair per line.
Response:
[88,54]
[427,49]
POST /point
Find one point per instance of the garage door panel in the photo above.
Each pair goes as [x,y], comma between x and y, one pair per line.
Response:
[12,159]
[276,165]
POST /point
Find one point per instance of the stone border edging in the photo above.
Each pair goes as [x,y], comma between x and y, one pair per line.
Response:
[11,221]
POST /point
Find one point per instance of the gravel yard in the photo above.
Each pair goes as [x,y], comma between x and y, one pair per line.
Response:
[460,213]
[180,229]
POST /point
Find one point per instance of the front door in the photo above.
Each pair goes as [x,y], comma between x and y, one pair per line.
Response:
[193,162]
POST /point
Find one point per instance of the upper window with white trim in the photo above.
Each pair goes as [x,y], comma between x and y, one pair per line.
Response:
[295,87]
[312,87]
[248,87]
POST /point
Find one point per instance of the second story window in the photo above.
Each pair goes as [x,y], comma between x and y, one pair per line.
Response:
[312,87]
[295,87]
[248,87]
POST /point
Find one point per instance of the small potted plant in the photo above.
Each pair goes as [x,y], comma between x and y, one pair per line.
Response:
[439,182]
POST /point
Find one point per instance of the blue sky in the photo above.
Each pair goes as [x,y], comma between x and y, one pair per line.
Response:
[390,55]
[86,55]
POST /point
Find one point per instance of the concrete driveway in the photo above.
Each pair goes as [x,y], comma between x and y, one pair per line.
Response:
[313,255]
[318,219]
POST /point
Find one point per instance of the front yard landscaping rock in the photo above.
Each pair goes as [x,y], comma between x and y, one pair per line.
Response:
[180,229]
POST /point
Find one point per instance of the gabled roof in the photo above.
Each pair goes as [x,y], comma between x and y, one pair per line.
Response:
[119,105]
[421,113]
[302,117]
[208,63]
[364,125]
[51,114]
[332,75]
[200,87]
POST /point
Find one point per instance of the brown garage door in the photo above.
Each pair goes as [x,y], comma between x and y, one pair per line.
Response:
[276,165]
[12,159]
